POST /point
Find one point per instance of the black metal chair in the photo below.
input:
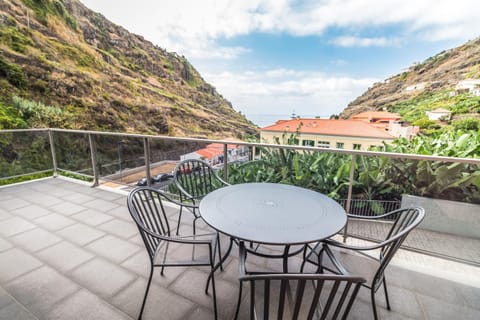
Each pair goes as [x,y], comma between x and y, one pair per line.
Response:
[146,206]
[194,179]
[328,296]
[402,222]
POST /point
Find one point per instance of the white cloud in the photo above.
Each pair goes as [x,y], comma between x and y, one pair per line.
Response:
[192,27]
[350,41]
[272,93]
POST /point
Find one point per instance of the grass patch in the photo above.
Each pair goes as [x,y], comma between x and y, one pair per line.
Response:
[28,177]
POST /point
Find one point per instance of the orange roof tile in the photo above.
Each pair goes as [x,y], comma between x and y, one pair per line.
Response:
[349,128]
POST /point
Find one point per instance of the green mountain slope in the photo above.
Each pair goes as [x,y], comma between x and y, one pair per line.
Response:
[58,55]
[426,86]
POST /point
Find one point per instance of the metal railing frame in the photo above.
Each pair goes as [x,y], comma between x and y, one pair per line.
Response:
[147,138]
[252,146]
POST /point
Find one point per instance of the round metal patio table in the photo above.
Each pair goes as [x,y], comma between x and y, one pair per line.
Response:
[271,213]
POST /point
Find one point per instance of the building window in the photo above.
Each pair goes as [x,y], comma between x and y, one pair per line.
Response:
[296,141]
[340,145]
[357,146]
[308,143]
[323,144]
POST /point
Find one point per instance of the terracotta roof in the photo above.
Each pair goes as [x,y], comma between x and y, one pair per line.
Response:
[377,115]
[216,149]
[209,153]
[349,128]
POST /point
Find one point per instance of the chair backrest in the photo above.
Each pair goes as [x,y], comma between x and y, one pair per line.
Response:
[312,296]
[146,208]
[404,220]
[195,179]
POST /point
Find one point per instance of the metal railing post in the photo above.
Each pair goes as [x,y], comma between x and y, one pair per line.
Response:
[93,154]
[146,150]
[225,162]
[54,154]
[349,196]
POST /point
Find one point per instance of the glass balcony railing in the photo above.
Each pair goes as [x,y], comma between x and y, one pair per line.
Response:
[363,182]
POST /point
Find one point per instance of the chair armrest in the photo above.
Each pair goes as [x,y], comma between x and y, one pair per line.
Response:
[354,216]
[352,247]
[179,239]
[185,239]
[180,204]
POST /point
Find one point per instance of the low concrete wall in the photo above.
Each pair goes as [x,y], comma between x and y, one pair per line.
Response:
[452,217]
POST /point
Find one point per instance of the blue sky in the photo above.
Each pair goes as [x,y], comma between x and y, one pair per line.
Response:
[274,57]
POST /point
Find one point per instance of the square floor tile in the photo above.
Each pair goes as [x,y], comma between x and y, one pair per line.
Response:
[67,208]
[102,277]
[130,301]
[14,203]
[80,234]
[4,215]
[40,289]
[35,239]
[14,226]
[91,217]
[113,248]
[78,198]
[64,256]
[120,228]
[101,205]
[16,262]
[84,305]
[15,311]
[54,221]
[30,212]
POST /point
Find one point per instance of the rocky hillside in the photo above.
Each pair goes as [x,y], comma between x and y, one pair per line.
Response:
[428,84]
[59,56]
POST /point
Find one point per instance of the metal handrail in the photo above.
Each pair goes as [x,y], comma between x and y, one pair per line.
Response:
[267,145]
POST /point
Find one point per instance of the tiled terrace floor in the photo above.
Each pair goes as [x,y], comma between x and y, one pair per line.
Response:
[68,251]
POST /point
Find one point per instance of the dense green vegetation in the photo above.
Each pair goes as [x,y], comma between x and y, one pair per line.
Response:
[45,8]
[13,73]
[414,110]
[38,115]
[376,178]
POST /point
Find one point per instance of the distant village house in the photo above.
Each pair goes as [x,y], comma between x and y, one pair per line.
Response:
[388,121]
[214,153]
[469,85]
[328,133]
[439,114]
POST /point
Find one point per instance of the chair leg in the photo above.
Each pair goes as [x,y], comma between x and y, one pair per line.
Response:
[374,306]
[212,273]
[219,252]
[386,293]
[146,293]
[179,219]
[220,263]
[237,310]
[195,225]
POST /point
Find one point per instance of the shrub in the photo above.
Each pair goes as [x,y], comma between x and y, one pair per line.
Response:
[37,114]
[467,124]
[425,123]
[13,73]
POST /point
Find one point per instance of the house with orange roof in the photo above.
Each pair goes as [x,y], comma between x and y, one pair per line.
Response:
[378,119]
[328,133]
[214,154]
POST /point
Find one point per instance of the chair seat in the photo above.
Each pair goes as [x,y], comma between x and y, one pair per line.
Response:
[175,253]
[353,262]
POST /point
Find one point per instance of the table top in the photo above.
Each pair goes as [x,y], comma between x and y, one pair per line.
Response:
[272,213]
